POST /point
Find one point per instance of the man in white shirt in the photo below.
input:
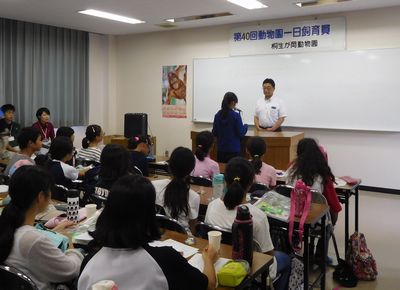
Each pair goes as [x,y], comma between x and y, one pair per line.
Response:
[270,111]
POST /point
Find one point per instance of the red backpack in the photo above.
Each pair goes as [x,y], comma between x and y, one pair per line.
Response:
[360,258]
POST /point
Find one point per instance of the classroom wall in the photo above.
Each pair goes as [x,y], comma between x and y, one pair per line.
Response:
[372,156]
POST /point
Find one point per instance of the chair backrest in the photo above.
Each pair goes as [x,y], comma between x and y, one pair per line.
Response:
[160,209]
[202,230]
[59,193]
[202,181]
[137,170]
[258,186]
[86,162]
[12,278]
[168,223]
[284,189]
[4,179]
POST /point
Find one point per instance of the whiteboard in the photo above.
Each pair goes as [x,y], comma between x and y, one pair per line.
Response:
[357,90]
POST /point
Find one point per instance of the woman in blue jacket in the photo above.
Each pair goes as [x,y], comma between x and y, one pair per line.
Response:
[228,128]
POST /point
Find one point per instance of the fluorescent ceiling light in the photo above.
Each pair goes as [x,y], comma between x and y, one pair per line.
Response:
[110,16]
[170,20]
[249,4]
[299,4]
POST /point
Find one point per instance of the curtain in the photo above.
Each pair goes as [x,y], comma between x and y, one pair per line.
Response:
[44,66]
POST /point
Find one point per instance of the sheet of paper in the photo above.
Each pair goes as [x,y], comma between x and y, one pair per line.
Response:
[179,247]
[197,262]
[3,188]
[83,238]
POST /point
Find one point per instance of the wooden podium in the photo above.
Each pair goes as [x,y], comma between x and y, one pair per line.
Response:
[281,146]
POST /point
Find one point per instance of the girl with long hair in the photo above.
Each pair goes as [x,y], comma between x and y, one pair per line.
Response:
[175,195]
[23,246]
[228,128]
[239,176]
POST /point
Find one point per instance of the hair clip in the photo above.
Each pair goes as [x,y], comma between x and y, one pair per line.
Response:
[200,146]
[136,138]
[256,156]
[94,131]
[237,178]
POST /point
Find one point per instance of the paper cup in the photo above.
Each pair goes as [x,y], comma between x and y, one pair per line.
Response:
[214,239]
[90,209]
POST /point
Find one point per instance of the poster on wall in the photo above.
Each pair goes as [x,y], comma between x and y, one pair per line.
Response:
[174,91]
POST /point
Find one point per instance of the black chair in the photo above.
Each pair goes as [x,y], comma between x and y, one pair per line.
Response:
[202,230]
[12,278]
[168,223]
[202,181]
[59,193]
[284,189]
[86,162]
[4,179]
[160,210]
[258,189]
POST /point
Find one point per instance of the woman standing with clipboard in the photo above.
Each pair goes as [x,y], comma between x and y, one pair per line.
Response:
[228,128]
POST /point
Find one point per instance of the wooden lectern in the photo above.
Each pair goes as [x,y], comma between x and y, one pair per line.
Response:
[281,146]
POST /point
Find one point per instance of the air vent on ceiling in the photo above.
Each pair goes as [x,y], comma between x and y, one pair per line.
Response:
[319,2]
[199,17]
[166,25]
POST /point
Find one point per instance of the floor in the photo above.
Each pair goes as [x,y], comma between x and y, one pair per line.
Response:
[379,220]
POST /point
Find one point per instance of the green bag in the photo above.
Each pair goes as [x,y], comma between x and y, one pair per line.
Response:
[233,273]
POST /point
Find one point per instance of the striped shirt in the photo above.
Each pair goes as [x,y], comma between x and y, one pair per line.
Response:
[91,153]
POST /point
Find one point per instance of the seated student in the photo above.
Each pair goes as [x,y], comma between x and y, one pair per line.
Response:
[9,127]
[205,166]
[265,173]
[70,133]
[30,141]
[114,163]
[239,176]
[44,126]
[124,229]
[312,167]
[60,153]
[66,132]
[90,150]
[23,246]
[139,149]
[179,201]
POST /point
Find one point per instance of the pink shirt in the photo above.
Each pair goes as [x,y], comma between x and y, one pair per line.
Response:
[267,175]
[206,168]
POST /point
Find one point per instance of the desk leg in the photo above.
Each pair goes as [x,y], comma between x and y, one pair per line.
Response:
[346,221]
[356,208]
[264,280]
[306,256]
[324,251]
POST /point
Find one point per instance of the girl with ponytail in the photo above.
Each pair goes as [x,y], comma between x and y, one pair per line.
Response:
[265,174]
[239,176]
[205,166]
[23,246]
[175,195]
[90,150]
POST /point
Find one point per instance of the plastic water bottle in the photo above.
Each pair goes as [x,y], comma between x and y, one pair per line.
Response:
[242,235]
[218,185]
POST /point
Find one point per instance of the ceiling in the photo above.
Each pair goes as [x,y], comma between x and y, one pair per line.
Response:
[63,13]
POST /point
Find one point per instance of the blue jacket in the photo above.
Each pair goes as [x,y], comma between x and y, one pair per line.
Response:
[229,131]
